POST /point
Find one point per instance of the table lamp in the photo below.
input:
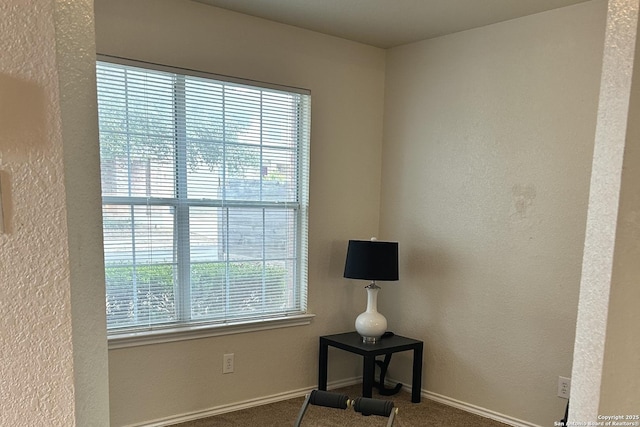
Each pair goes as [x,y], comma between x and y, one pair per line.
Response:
[371,260]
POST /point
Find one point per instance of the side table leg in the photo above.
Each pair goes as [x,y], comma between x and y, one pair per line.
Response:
[416,386]
[368,372]
[322,365]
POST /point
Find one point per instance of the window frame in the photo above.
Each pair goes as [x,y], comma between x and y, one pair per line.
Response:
[181,328]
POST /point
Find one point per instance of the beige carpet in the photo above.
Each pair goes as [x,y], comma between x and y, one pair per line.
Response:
[426,413]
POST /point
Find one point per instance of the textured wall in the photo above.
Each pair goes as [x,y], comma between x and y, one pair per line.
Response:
[346,80]
[44,358]
[487,151]
[37,366]
[607,347]
[620,389]
[75,44]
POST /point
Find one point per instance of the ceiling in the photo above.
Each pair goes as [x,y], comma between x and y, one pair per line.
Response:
[389,23]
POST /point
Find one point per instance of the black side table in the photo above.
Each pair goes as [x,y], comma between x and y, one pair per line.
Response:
[352,342]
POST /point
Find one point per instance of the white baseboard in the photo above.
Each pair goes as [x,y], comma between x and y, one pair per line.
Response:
[467,407]
[477,410]
[251,403]
[278,397]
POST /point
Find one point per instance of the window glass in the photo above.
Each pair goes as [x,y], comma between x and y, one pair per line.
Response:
[204,189]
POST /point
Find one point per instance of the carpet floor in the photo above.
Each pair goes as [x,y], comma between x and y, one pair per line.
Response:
[285,413]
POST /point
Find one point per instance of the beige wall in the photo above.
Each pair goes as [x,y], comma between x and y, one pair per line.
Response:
[53,341]
[606,372]
[620,391]
[346,80]
[486,158]
[487,152]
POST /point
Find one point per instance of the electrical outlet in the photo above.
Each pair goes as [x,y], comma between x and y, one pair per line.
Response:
[564,387]
[227,363]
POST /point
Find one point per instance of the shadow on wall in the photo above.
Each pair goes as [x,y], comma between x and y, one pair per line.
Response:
[22,127]
[426,263]
[22,117]
[345,308]
[427,285]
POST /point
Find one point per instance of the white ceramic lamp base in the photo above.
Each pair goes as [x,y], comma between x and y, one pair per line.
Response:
[371,324]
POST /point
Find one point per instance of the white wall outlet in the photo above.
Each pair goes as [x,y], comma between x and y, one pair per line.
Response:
[227,363]
[564,387]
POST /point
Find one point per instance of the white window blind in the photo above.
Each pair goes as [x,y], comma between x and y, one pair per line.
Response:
[204,195]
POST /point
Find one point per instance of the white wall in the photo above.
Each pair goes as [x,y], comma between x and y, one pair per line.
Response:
[346,80]
[620,390]
[487,152]
[606,372]
[53,340]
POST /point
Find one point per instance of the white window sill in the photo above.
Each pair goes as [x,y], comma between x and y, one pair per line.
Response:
[135,339]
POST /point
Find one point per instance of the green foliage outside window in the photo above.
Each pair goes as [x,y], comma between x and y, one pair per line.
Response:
[216,291]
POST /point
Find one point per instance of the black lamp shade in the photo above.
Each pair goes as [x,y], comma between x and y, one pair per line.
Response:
[371,260]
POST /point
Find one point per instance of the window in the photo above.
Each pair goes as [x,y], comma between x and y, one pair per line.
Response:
[204,198]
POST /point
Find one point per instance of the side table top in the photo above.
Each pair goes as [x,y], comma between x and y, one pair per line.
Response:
[353,340]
